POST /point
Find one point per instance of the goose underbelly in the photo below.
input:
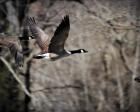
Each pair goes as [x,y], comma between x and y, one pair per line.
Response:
[55,57]
[51,56]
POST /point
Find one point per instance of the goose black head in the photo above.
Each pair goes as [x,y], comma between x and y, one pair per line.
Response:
[83,51]
[78,51]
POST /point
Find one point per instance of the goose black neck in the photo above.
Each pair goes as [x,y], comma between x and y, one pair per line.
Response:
[75,51]
[38,57]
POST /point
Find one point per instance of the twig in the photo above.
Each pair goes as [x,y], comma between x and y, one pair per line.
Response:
[120,86]
[123,56]
[135,67]
[58,87]
[26,61]
[15,76]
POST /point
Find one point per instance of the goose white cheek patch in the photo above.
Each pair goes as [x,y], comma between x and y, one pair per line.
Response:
[68,52]
[82,51]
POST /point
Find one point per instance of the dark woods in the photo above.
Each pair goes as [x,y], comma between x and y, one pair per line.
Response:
[10,94]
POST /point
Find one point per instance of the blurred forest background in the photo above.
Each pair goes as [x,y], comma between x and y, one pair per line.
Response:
[100,81]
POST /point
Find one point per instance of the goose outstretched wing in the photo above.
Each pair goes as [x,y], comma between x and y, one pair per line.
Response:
[12,45]
[60,36]
[38,34]
[16,54]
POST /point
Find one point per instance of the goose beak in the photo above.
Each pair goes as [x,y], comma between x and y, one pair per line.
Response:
[86,51]
[137,79]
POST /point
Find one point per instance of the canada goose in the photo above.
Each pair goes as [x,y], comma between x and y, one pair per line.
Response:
[54,49]
[13,44]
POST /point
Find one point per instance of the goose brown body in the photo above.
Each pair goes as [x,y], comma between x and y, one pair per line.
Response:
[38,34]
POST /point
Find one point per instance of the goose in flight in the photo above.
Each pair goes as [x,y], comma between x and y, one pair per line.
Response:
[13,44]
[54,49]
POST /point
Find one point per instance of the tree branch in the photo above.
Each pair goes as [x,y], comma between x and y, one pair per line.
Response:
[58,87]
[15,76]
